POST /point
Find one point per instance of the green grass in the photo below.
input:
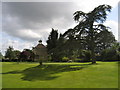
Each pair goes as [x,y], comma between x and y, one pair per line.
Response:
[60,75]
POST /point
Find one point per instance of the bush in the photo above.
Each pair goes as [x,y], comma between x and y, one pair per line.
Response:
[87,55]
[109,55]
[78,60]
[65,59]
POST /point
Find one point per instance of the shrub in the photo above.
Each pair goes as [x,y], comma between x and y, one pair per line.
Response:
[65,59]
[109,55]
[87,55]
[78,60]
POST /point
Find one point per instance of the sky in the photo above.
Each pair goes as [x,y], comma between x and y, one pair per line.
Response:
[24,23]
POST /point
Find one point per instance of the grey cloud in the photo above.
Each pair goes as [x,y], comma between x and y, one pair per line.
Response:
[36,16]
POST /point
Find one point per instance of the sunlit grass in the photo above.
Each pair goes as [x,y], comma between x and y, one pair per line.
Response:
[60,75]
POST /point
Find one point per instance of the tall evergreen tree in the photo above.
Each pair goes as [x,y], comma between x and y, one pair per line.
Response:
[87,27]
[52,43]
[98,15]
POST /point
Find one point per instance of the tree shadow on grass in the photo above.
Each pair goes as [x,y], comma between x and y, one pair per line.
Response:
[46,72]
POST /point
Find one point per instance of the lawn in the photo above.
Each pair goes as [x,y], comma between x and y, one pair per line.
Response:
[60,75]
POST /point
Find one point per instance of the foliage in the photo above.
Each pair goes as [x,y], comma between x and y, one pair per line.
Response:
[10,53]
[52,43]
[87,30]
[52,40]
[65,59]
[86,55]
[104,40]
[111,54]
[27,55]
[17,54]
[78,60]
[1,56]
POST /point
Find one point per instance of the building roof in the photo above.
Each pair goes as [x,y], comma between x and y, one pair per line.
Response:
[40,50]
[40,46]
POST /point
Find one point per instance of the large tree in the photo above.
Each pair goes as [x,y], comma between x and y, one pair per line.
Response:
[10,53]
[98,15]
[89,25]
[52,43]
[17,54]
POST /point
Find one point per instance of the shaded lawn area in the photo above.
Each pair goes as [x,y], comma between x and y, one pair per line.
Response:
[60,75]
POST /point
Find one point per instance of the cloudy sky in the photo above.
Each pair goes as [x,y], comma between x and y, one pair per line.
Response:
[24,23]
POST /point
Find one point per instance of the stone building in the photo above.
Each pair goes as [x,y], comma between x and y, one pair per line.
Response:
[40,52]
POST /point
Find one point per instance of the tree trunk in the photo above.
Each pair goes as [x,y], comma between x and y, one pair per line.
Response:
[93,57]
[92,46]
[93,50]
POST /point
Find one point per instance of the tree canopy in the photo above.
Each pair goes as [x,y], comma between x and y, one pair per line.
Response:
[86,29]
